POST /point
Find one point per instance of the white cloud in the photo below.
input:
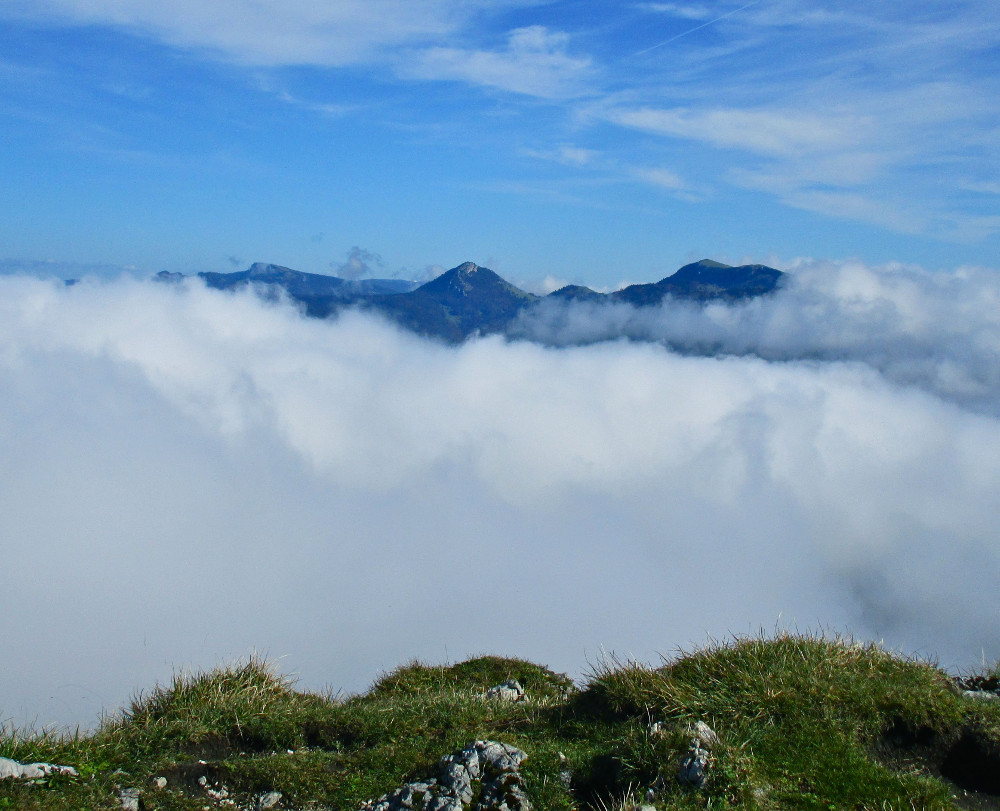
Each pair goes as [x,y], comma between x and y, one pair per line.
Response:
[874,114]
[193,474]
[685,12]
[785,133]
[567,154]
[269,32]
[535,62]
[665,178]
[865,157]
[966,228]
[801,191]
[324,109]
[936,331]
[982,187]
[360,262]
[550,284]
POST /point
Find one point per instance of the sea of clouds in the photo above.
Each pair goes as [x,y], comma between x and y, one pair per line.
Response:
[191,475]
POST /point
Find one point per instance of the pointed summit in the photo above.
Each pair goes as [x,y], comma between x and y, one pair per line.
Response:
[459,302]
[467,279]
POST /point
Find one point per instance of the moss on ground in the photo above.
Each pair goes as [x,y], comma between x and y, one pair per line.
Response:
[803,722]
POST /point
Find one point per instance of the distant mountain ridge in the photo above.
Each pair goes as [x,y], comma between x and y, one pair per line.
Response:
[302,286]
[470,299]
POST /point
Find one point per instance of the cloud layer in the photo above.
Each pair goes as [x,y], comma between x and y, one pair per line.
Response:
[192,475]
[939,332]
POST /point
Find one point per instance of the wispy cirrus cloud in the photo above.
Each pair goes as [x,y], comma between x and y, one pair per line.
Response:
[534,62]
[780,132]
[269,32]
[684,11]
[836,202]
[873,155]
[890,101]
[567,154]
[666,180]
[323,108]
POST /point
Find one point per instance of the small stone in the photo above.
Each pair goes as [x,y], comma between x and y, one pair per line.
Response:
[128,798]
[268,800]
[508,691]
[694,767]
[565,772]
[217,794]
[703,736]
[160,782]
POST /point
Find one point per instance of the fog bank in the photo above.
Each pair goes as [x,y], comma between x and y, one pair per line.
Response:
[934,330]
[191,475]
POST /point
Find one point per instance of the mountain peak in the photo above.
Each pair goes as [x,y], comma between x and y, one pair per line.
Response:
[260,270]
[465,279]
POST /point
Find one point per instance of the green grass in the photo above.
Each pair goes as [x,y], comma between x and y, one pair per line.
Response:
[803,721]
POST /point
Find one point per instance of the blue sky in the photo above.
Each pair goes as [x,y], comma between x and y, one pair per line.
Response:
[591,142]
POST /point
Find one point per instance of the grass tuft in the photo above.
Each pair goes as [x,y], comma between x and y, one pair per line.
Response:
[476,675]
[246,707]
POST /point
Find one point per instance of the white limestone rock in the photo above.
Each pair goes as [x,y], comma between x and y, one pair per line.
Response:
[32,771]
[508,691]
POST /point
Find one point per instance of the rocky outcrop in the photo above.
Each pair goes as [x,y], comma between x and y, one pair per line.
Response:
[489,766]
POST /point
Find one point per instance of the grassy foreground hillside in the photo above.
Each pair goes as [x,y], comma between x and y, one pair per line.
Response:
[801,721]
